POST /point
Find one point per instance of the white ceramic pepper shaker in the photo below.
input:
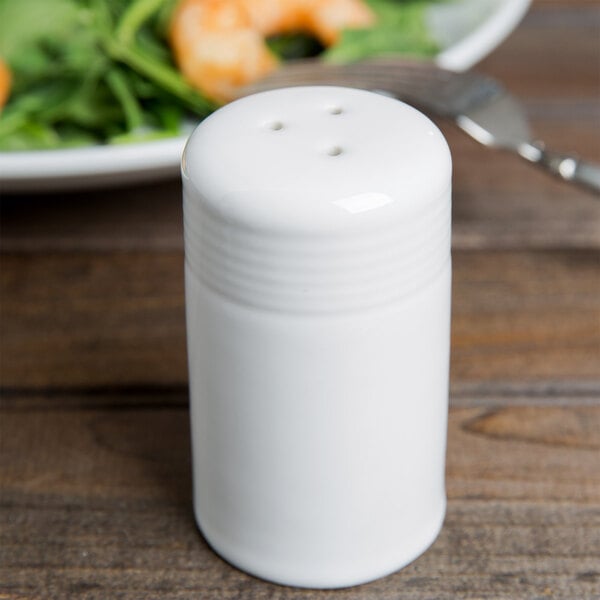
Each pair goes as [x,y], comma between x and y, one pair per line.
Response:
[317,242]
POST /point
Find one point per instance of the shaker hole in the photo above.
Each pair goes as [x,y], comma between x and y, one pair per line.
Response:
[336,110]
[334,151]
[276,126]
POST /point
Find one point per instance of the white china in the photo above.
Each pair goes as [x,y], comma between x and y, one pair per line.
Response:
[467,30]
[317,241]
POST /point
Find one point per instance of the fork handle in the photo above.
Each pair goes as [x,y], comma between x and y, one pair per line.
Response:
[566,166]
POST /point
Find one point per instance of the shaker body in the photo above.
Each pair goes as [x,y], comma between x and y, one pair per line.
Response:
[318,323]
[319,441]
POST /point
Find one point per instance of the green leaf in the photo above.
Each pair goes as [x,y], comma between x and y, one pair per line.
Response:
[25,23]
[400,29]
[100,71]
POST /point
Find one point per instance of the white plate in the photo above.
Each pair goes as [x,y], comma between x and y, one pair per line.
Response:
[468,30]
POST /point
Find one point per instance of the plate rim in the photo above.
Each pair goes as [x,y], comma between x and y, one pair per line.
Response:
[83,167]
[488,36]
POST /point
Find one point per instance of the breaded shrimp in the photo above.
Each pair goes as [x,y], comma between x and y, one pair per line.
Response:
[327,18]
[270,17]
[5,83]
[219,45]
[322,18]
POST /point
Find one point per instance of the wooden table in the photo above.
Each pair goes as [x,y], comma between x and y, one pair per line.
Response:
[95,457]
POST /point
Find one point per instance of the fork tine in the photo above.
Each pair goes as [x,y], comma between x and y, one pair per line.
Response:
[303,70]
[418,81]
[386,74]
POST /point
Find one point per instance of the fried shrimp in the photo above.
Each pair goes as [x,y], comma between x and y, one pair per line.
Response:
[326,18]
[219,45]
[5,83]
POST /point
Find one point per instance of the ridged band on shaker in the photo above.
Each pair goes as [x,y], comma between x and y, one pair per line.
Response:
[312,273]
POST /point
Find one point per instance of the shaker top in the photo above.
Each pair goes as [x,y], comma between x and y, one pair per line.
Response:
[317,159]
[317,199]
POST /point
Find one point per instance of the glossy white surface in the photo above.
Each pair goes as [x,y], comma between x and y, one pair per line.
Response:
[319,441]
[318,316]
[476,27]
[115,165]
[267,210]
[90,167]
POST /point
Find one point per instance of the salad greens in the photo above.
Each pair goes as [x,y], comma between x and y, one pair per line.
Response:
[100,71]
[400,29]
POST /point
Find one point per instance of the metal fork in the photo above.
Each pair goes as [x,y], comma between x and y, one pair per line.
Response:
[478,104]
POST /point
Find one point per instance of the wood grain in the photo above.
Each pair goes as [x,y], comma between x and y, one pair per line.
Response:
[117,318]
[553,54]
[96,503]
[499,201]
